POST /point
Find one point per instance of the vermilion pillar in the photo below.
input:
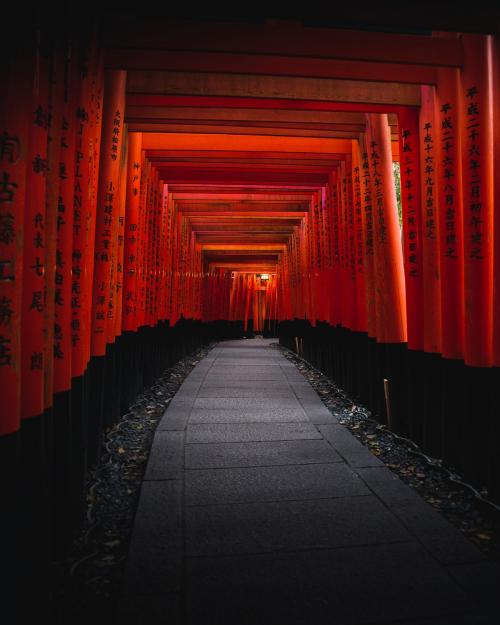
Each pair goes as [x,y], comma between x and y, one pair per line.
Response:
[131,233]
[388,266]
[117,287]
[477,167]
[88,116]
[57,71]
[32,322]
[412,218]
[430,222]
[15,109]
[64,229]
[350,262]
[335,273]
[359,238]
[107,204]
[496,147]
[449,185]
[368,238]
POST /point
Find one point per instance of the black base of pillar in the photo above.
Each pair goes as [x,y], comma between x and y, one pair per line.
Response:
[478,423]
[61,470]
[447,408]
[96,377]
[79,446]
[35,515]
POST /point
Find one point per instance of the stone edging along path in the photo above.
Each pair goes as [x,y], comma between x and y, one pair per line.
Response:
[478,521]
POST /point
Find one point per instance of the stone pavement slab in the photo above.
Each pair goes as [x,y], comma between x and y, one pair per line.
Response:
[256,454]
[155,556]
[283,415]
[296,482]
[259,508]
[344,586]
[241,432]
[281,526]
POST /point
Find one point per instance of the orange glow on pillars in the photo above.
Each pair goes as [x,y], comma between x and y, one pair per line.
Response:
[335,272]
[87,125]
[430,222]
[107,204]
[477,168]
[66,169]
[15,109]
[496,147]
[359,236]
[56,103]
[449,177]
[131,233]
[412,215]
[388,266]
[117,287]
[368,238]
[32,324]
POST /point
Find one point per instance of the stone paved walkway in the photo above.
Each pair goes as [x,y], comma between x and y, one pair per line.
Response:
[258,508]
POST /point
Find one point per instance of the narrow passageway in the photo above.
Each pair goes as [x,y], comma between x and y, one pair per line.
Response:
[171,184]
[258,507]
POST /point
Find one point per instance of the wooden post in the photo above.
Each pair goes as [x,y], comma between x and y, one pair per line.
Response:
[477,184]
[107,206]
[412,220]
[32,323]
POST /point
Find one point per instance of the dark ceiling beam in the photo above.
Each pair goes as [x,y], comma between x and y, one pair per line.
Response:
[224,191]
[250,166]
[283,38]
[234,155]
[281,87]
[221,177]
[241,130]
[249,115]
[188,61]
[211,101]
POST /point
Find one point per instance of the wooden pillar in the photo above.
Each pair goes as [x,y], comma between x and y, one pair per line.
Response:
[64,228]
[368,243]
[390,297]
[57,71]
[412,220]
[107,206]
[32,323]
[451,244]
[477,184]
[494,469]
[430,222]
[388,267]
[15,110]
[131,240]
[430,376]
[359,238]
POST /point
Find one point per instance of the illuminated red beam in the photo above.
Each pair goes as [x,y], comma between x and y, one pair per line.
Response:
[137,99]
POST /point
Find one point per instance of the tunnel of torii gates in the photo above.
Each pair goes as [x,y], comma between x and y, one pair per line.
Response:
[164,184]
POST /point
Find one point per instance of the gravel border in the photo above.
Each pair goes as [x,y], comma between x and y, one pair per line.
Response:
[465,507]
[88,580]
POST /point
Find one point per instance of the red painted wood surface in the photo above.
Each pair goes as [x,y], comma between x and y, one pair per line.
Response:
[64,227]
[131,236]
[107,207]
[57,72]
[450,199]
[429,143]
[15,109]
[477,184]
[32,321]
[388,266]
[412,215]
